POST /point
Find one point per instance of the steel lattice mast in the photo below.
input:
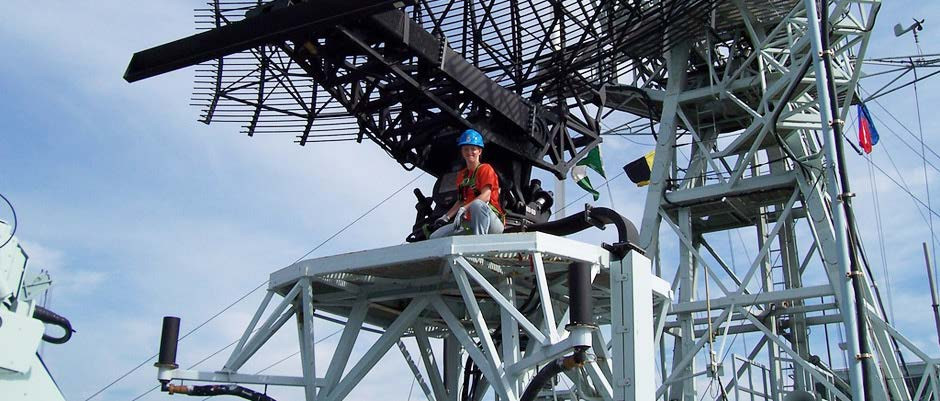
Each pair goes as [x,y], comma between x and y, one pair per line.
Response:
[766,158]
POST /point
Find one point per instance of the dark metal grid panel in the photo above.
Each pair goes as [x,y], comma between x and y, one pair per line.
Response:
[512,40]
[538,48]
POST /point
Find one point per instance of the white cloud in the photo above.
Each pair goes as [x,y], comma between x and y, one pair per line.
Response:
[67,281]
[42,257]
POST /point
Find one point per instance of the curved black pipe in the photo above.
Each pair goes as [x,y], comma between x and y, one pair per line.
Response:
[551,370]
[49,317]
[541,378]
[218,389]
[627,234]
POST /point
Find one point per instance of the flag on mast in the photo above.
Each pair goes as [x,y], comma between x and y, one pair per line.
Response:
[641,169]
[867,133]
[579,171]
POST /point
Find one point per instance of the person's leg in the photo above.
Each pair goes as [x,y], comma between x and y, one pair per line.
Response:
[496,224]
[483,220]
[443,231]
[479,217]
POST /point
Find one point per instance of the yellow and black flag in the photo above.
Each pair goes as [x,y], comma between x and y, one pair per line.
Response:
[639,170]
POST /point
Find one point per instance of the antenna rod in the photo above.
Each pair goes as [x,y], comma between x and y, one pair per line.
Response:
[933,291]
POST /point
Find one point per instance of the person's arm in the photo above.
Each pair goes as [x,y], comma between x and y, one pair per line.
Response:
[485,194]
[453,210]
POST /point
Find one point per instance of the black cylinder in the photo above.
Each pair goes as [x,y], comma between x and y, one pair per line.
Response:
[579,294]
[168,339]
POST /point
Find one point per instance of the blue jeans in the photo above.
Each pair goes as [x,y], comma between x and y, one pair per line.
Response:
[483,220]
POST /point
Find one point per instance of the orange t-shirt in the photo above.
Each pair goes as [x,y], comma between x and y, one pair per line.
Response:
[470,184]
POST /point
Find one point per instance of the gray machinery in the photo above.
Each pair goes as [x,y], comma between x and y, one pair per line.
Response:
[751,98]
[23,375]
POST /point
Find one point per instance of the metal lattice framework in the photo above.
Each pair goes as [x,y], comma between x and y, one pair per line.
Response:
[756,103]
[759,88]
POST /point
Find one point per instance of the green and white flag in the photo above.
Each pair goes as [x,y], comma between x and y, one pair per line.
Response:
[579,171]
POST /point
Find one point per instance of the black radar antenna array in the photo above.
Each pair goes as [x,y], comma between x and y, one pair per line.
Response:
[530,75]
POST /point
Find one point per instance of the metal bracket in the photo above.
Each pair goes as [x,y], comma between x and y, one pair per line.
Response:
[620,277]
[442,51]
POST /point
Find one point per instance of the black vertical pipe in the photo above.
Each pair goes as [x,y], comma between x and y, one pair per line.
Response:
[579,294]
[846,194]
[168,339]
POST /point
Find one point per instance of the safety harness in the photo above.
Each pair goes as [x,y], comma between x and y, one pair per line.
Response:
[468,186]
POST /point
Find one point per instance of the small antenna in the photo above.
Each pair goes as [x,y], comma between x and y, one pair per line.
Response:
[917,26]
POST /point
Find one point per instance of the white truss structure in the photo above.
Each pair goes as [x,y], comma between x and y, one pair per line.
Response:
[483,296]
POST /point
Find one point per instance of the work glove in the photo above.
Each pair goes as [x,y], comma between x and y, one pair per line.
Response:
[458,217]
[441,221]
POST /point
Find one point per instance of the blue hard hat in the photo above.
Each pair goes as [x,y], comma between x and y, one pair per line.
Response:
[470,137]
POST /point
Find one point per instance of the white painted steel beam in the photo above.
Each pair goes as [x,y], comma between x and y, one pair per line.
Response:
[306,336]
[502,301]
[548,311]
[240,378]
[754,299]
[378,350]
[632,329]
[419,378]
[346,342]
[500,382]
[248,330]
[437,249]
[486,365]
[430,363]
[275,320]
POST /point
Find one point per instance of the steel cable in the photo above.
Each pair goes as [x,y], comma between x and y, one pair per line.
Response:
[219,313]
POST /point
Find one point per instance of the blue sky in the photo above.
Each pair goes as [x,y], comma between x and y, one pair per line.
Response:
[138,211]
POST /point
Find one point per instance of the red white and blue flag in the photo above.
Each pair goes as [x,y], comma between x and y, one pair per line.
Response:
[867,133]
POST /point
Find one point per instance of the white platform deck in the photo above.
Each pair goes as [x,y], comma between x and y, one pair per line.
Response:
[390,277]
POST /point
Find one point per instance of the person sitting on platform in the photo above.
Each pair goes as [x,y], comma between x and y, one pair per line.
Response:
[477,209]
